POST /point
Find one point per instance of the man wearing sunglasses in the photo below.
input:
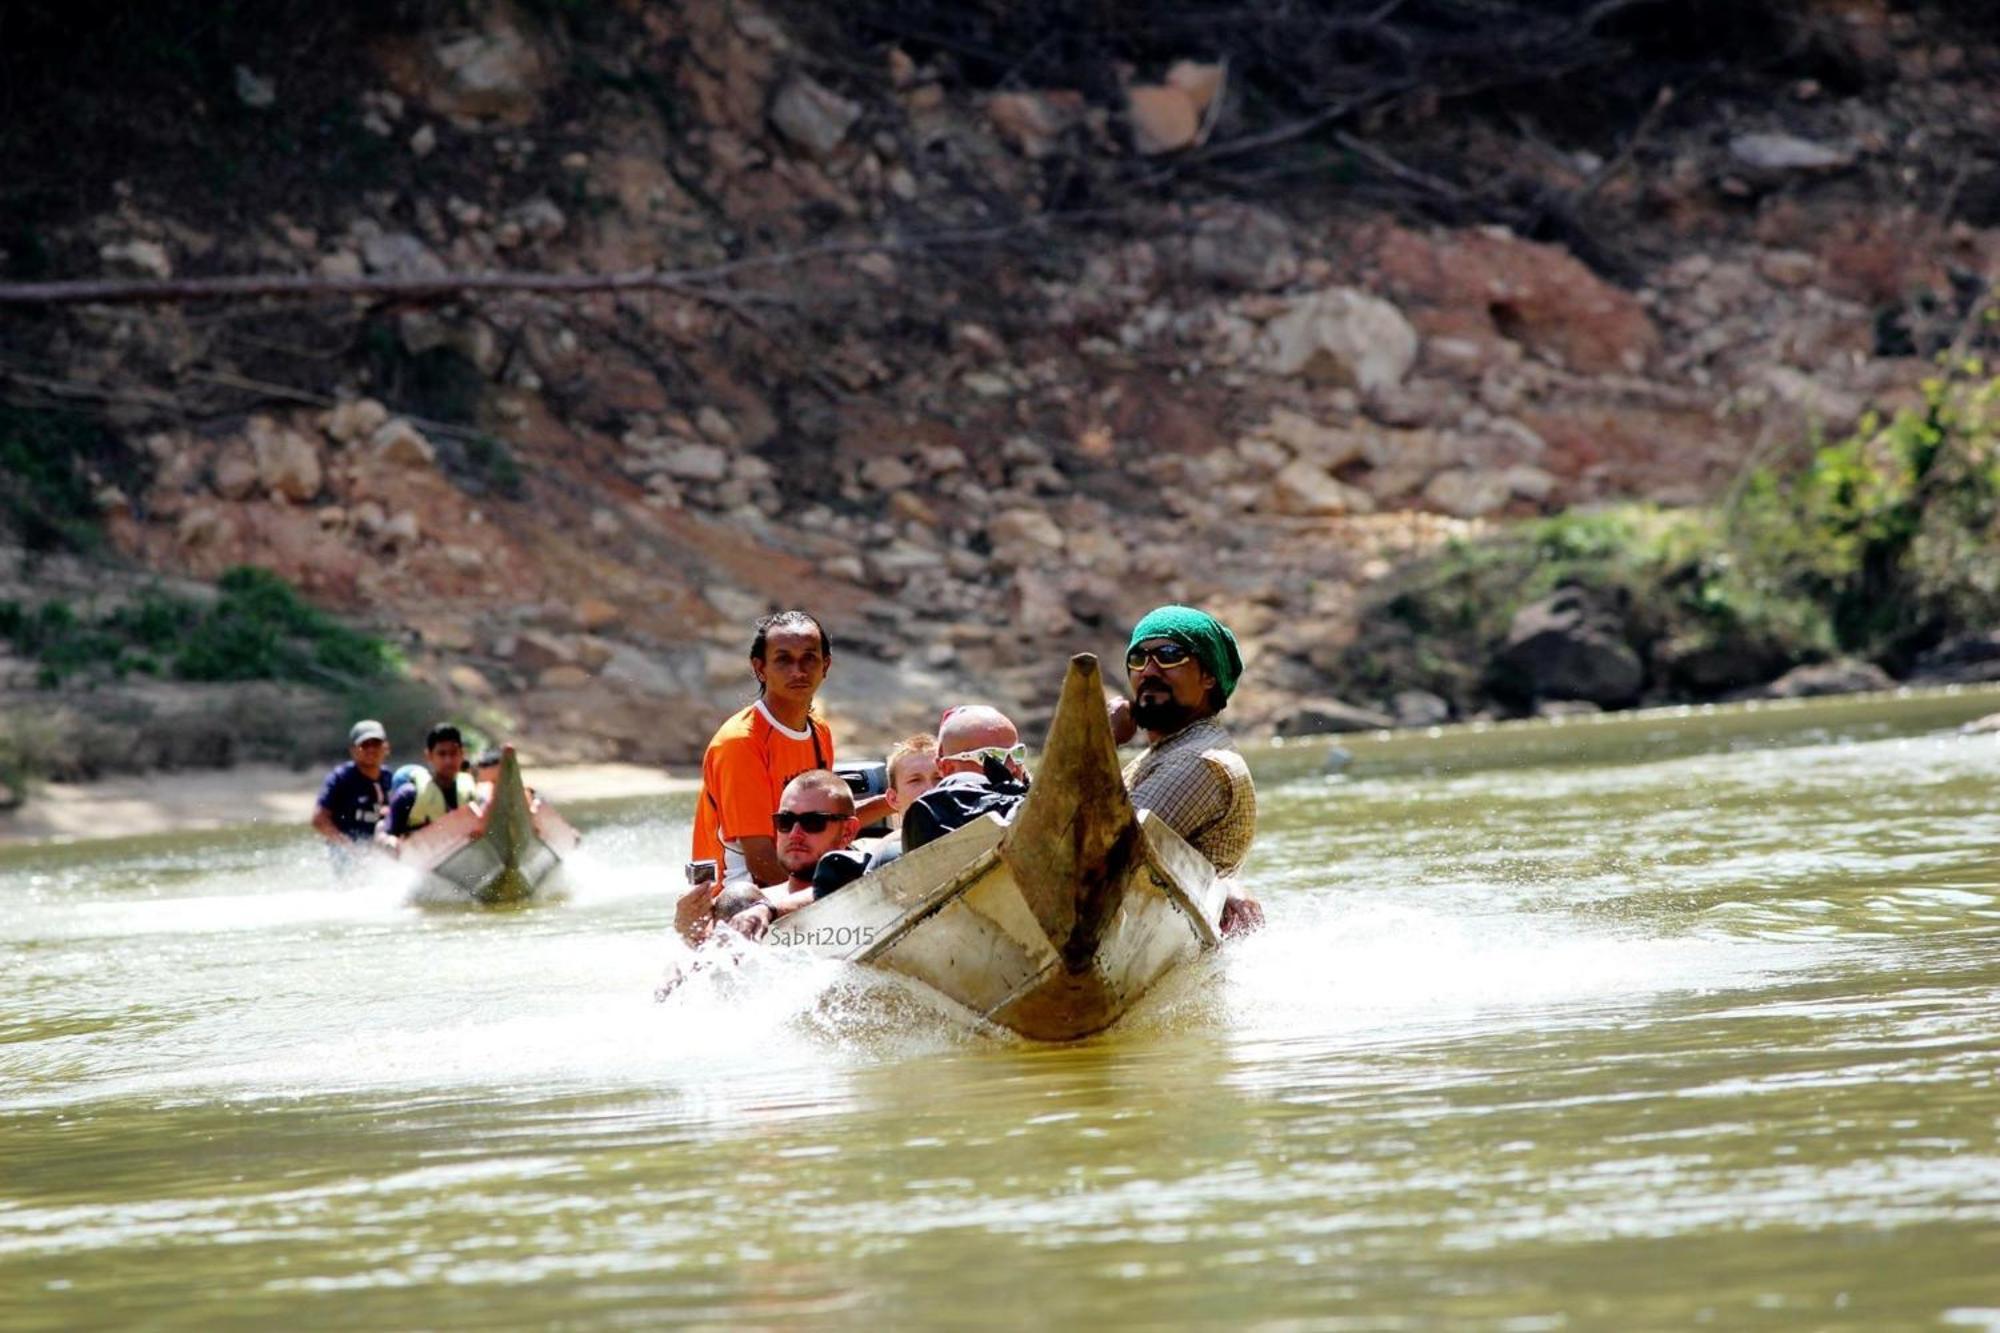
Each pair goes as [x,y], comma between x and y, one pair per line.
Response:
[984,770]
[815,824]
[1182,665]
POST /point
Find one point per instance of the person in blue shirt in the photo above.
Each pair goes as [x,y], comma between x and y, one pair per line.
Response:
[354,799]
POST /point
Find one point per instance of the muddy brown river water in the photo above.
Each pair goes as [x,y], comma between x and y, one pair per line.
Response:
[1669,1021]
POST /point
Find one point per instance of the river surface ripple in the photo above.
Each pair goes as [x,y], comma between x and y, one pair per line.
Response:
[1665,1034]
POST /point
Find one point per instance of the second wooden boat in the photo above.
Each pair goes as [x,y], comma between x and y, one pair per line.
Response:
[509,853]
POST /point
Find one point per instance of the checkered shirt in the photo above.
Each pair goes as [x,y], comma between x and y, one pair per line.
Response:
[1197,782]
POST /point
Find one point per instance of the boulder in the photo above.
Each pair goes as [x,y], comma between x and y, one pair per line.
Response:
[1329,717]
[813,116]
[1785,153]
[1038,607]
[1489,283]
[137,259]
[1702,665]
[696,462]
[1341,335]
[1306,489]
[202,526]
[495,73]
[1034,122]
[398,254]
[1968,659]
[1420,708]
[1261,456]
[639,671]
[1985,726]
[888,474]
[595,613]
[1820,405]
[715,426]
[1201,82]
[1568,646]
[1466,492]
[447,634]
[538,219]
[1843,676]
[255,90]
[1163,118]
[235,473]
[397,443]
[1240,247]
[563,678]
[401,532]
[1329,446]
[354,419]
[538,650]
[1021,536]
[287,464]
[469,680]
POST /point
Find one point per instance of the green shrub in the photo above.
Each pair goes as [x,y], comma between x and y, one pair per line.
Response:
[257,628]
[1880,545]
[51,465]
[1891,530]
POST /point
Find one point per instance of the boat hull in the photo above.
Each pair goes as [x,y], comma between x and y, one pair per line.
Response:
[510,855]
[1052,926]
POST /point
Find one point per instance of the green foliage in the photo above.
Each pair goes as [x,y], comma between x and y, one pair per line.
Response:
[1879,546]
[493,468]
[1891,530]
[257,628]
[442,383]
[50,466]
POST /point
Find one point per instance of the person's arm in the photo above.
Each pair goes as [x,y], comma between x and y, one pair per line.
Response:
[761,856]
[322,824]
[1188,796]
[756,920]
[401,803]
[741,787]
[874,808]
[1241,914]
[920,824]
[1119,709]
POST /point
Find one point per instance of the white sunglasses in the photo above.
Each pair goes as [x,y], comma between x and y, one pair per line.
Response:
[1016,753]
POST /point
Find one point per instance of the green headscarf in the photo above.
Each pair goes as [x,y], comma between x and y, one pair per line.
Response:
[1201,634]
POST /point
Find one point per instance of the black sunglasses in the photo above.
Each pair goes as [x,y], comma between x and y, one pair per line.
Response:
[812,821]
[1167,655]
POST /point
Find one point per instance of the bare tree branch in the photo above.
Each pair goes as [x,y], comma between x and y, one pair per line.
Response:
[701,284]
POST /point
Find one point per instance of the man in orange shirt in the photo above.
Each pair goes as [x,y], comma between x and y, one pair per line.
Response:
[751,758]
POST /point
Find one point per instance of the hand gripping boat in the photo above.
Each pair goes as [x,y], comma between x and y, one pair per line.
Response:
[510,853]
[1052,925]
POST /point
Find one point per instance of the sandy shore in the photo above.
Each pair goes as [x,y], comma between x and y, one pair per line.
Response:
[125,807]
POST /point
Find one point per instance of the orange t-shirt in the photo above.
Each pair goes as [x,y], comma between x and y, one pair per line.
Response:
[743,773]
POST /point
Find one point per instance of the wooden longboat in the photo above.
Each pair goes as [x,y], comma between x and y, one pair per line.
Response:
[508,854]
[1052,925]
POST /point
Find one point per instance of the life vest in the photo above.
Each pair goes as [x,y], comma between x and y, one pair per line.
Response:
[430,804]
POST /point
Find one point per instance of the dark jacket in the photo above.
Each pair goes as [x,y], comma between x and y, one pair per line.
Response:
[957,801]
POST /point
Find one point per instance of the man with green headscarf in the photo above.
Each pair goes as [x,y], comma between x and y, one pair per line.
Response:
[1183,665]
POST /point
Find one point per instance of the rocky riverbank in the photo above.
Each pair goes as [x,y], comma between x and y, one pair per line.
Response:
[976,371]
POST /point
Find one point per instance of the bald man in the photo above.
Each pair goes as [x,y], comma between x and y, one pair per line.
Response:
[983,763]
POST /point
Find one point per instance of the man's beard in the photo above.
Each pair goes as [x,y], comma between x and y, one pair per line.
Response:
[1164,716]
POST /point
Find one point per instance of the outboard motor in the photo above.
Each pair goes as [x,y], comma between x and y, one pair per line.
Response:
[866,778]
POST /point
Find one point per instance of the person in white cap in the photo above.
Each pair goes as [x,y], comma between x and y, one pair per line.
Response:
[355,796]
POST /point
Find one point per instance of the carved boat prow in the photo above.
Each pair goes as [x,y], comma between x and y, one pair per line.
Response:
[510,854]
[1052,925]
